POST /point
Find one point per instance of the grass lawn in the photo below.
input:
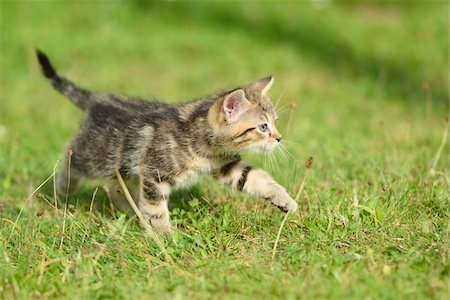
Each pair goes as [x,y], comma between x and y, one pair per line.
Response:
[364,91]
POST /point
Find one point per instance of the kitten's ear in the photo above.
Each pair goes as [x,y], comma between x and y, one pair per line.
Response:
[262,85]
[234,105]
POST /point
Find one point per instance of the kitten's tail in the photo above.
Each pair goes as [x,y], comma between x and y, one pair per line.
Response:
[81,97]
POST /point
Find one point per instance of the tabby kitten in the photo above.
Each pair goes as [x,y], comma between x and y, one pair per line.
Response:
[157,147]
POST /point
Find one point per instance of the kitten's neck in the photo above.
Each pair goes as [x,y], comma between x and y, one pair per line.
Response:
[205,123]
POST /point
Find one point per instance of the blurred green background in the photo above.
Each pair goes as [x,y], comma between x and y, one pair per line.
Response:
[364,87]
[344,65]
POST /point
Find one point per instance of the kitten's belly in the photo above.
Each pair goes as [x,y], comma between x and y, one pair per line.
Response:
[187,179]
[198,166]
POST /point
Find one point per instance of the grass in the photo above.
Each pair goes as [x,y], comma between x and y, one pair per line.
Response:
[365,90]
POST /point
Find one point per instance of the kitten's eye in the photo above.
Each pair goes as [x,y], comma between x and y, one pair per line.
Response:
[262,127]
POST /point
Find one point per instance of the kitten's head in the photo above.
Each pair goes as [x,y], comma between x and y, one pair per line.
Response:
[248,118]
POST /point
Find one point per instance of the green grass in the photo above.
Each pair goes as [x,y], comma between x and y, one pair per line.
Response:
[366,92]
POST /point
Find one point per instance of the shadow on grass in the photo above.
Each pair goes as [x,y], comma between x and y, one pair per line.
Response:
[181,198]
[83,198]
[309,36]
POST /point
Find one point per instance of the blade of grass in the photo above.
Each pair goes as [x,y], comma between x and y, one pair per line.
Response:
[149,230]
[278,235]
[29,198]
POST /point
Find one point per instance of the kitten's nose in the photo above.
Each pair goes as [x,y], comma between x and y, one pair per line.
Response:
[277,136]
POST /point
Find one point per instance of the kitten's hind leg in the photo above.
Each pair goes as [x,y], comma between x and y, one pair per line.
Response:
[153,205]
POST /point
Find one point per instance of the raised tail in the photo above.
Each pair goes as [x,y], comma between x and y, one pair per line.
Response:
[81,97]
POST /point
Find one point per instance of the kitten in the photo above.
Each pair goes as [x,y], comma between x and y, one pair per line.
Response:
[157,146]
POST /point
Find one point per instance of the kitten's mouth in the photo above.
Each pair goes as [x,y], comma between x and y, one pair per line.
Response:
[261,148]
[268,148]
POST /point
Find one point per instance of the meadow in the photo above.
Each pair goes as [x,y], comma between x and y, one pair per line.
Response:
[362,88]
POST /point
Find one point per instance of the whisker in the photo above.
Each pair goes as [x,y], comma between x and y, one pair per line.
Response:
[271,165]
[279,153]
[279,157]
[281,109]
[291,142]
[285,154]
[268,162]
[279,98]
[287,150]
[273,162]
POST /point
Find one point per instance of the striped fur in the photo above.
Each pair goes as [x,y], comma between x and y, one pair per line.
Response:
[157,147]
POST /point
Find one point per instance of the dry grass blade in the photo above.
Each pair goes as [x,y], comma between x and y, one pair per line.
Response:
[438,154]
[78,224]
[55,197]
[92,200]
[278,235]
[308,165]
[69,159]
[149,230]
[29,198]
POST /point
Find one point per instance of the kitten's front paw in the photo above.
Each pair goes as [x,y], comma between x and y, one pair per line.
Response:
[284,202]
